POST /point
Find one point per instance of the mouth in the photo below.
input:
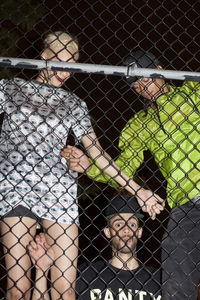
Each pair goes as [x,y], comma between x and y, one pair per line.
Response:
[126,239]
[147,95]
[60,79]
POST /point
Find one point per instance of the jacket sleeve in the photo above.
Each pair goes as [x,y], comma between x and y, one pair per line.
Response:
[132,146]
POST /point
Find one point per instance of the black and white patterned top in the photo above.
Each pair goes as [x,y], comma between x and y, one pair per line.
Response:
[37,121]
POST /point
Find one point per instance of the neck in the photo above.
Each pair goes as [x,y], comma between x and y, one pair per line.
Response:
[124,261]
[163,90]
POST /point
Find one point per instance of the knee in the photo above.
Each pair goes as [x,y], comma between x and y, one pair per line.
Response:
[63,292]
[17,293]
[69,294]
[14,294]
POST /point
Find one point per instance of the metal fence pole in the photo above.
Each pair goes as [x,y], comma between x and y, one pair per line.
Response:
[33,64]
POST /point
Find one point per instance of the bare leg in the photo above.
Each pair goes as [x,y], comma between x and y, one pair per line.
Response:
[16,234]
[42,257]
[64,241]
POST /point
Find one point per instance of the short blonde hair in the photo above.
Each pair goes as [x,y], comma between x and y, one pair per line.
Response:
[59,40]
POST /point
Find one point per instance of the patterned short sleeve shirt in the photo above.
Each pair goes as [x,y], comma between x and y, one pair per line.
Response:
[37,121]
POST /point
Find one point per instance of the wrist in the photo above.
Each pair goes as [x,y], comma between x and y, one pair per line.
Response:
[135,187]
[88,168]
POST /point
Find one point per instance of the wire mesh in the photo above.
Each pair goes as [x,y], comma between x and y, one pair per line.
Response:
[155,142]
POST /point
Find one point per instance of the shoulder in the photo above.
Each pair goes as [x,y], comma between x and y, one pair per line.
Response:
[19,81]
[139,118]
[70,98]
[91,271]
[94,267]
[138,126]
[191,85]
[186,87]
[11,84]
[14,80]
[149,272]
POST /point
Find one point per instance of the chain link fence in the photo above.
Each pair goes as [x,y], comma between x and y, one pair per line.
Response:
[150,129]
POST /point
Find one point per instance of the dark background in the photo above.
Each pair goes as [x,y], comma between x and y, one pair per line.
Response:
[107,31]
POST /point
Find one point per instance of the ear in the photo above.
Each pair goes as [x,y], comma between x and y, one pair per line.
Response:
[107,232]
[139,232]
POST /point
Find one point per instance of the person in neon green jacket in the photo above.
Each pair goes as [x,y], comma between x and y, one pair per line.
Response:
[176,151]
[170,129]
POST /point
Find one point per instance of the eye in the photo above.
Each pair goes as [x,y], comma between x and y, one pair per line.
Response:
[137,88]
[132,225]
[119,225]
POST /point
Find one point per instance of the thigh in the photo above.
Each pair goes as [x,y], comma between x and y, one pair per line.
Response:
[16,233]
[64,240]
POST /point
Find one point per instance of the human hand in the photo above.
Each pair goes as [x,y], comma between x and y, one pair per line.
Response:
[77,160]
[150,202]
[42,255]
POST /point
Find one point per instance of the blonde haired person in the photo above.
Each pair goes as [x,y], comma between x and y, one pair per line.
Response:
[57,40]
[36,184]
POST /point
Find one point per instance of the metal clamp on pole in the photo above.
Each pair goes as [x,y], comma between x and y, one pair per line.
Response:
[133,71]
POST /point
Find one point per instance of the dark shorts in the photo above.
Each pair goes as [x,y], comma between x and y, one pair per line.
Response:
[21,211]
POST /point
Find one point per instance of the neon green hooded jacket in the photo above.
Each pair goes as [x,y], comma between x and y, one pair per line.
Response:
[173,137]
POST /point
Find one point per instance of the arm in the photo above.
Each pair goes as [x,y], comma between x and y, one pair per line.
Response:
[148,201]
[105,162]
[42,257]
[79,162]
[130,143]
[133,140]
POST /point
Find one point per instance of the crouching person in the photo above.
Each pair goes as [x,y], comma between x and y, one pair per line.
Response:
[123,277]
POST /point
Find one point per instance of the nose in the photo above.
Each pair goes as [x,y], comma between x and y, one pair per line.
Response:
[126,228]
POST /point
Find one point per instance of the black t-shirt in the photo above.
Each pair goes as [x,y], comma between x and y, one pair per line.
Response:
[102,281]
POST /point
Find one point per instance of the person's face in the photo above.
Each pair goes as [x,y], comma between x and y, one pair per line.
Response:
[150,88]
[57,78]
[124,232]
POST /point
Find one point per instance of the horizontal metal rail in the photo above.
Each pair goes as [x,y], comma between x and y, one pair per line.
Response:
[133,70]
